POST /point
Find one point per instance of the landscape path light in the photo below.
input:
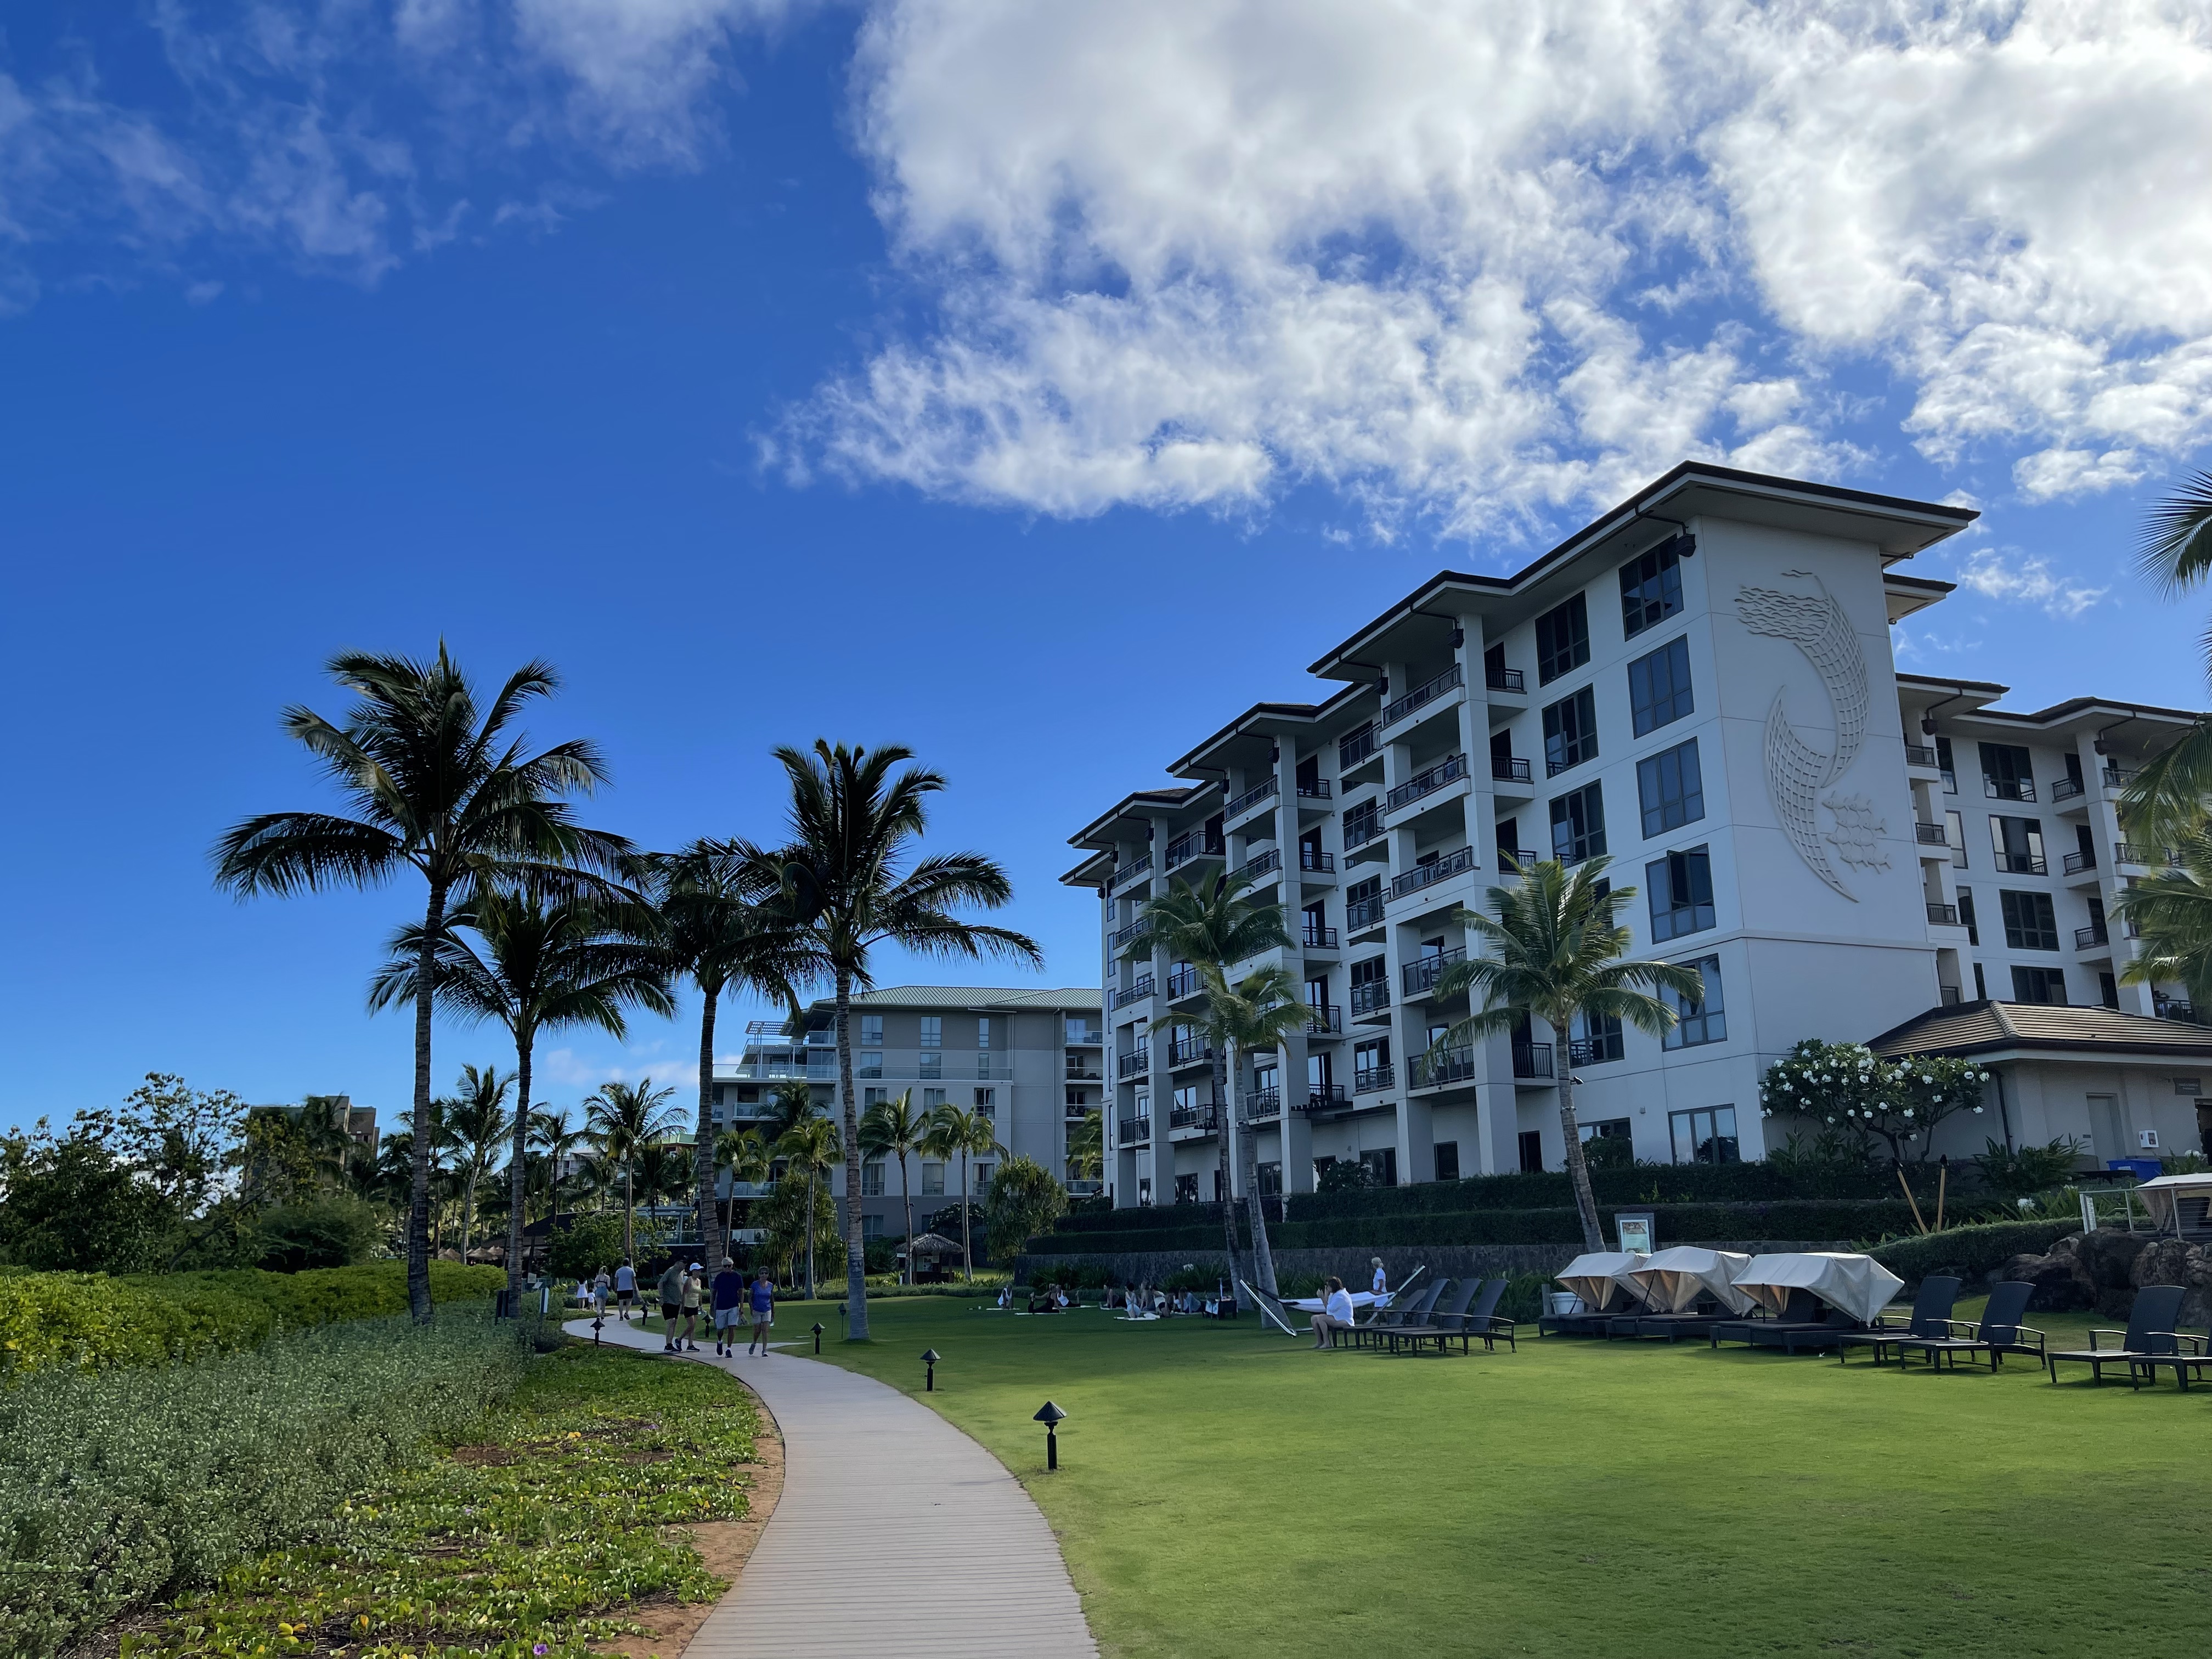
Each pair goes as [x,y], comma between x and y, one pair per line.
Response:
[1051,1417]
[817,1336]
[929,1357]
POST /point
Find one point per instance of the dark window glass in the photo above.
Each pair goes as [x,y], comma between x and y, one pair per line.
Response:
[1966,916]
[2005,772]
[1698,1022]
[1570,732]
[1448,1160]
[2030,923]
[1650,589]
[1681,889]
[1659,686]
[1578,825]
[1562,640]
[1531,1143]
[1596,1038]
[1944,764]
[2038,985]
[2108,989]
[1706,1136]
[1670,788]
[2017,844]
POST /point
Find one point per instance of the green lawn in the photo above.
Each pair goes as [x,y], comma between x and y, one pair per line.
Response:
[1226,1492]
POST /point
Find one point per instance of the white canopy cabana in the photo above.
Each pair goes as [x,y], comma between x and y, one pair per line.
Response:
[1672,1280]
[1603,1278]
[2161,1195]
[1859,1285]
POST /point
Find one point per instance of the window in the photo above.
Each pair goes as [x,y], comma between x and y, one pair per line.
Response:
[1186,1191]
[1269,1180]
[981,1177]
[932,1180]
[1382,1166]
[873,1097]
[1954,831]
[2005,772]
[2038,985]
[2018,845]
[1699,1023]
[1610,1128]
[871,1226]
[872,1030]
[1562,640]
[1704,1136]
[983,1033]
[1570,732]
[932,1099]
[1659,687]
[872,1178]
[1670,786]
[2030,923]
[2108,993]
[1532,1151]
[1966,916]
[870,1063]
[1943,764]
[1594,1039]
[1650,589]
[1681,889]
[1578,824]
[933,1030]
[1078,1100]
[987,1101]
[932,1062]
[1981,985]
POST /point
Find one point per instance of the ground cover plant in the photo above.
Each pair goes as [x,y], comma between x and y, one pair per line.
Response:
[1577,1498]
[539,1536]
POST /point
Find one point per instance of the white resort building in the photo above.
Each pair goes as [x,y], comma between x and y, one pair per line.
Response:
[1699,683]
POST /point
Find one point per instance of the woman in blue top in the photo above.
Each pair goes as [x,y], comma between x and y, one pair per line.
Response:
[763,1299]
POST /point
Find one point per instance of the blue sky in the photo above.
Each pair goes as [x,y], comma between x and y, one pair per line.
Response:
[1032,387]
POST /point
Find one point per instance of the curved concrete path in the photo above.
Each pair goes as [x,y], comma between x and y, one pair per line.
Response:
[896,1535]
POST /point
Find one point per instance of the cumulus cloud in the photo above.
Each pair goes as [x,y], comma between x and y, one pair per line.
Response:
[2005,573]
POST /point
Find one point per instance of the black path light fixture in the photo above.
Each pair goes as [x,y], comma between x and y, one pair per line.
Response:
[929,1358]
[1051,1417]
[817,1336]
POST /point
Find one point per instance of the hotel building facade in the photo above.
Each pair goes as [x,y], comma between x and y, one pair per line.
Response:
[1699,685]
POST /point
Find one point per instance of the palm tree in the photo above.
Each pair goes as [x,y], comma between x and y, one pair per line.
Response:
[664,1170]
[1212,927]
[626,1118]
[744,1157]
[2164,803]
[713,929]
[853,824]
[1558,950]
[477,1121]
[2172,912]
[893,1128]
[546,962]
[1087,1146]
[957,1132]
[439,782]
[809,1149]
[556,1138]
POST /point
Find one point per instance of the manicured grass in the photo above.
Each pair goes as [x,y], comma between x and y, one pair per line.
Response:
[1223,1492]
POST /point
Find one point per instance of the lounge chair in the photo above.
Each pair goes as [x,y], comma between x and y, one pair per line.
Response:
[1391,1319]
[2148,1338]
[1672,1326]
[1444,1315]
[1999,1333]
[1930,1317]
[1803,1310]
[1482,1321]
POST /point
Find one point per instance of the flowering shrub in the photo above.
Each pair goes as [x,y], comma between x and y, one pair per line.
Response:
[1846,1087]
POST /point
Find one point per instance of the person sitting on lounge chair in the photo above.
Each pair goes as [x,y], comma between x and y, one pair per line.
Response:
[1335,1315]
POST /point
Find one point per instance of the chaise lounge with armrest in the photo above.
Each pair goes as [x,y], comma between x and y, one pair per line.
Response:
[1453,1305]
[1930,1317]
[1468,1324]
[2148,1340]
[1394,1318]
[1998,1334]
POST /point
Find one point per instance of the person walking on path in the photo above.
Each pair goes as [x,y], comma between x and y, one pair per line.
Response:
[600,1286]
[693,1294]
[671,1305]
[625,1288]
[729,1300]
[762,1300]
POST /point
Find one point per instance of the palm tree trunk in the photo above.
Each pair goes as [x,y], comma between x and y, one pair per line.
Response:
[906,1198]
[1221,1147]
[418,1182]
[967,1233]
[856,1253]
[630,1217]
[518,1167]
[714,1248]
[469,1214]
[812,1181]
[1263,1259]
[1577,1167]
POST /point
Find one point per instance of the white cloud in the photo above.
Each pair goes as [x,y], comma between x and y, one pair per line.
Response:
[2005,574]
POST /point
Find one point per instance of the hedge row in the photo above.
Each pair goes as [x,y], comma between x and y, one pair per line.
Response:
[82,1321]
[1791,1219]
[1971,1253]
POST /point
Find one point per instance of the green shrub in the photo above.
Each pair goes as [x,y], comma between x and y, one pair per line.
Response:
[591,1242]
[335,1230]
[1199,1276]
[2026,1171]
[1971,1253]
[1024,1200]
[1523,1301]
[1345,1175]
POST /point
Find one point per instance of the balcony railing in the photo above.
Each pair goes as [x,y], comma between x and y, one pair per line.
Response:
[1135,1130]
[1190,1051]
[1442,1066]
[1532,1060]
[1593,1051]
[1363,912]
[1512,861]
[1323,1098]
[1312,858]
[1123,935]
[1371,998]
[1950,995]
[1194,1117]
[1136,1063]
[1422,974]
[1183,848]
[1263,1103]
[1317,938]
[2095,934]
[1428,781]
[1136,993]
[2074,863]
[1509,768]
[2008,788]
[1943,915]
[1181,982]
[1262,864]
[1250,799]
[2148,857]
[1921,755]
[2174,1008]
[1362,827]
[1080,1038]
[1931,835]
[2118,777]
[2023,864]
[1354,747]
[1505,679]
[2066,789]
[1313,789]
[1130,871]
[1326,1020]
[1082,1072]
[1457,863]
[1368,1078]
[1421,696]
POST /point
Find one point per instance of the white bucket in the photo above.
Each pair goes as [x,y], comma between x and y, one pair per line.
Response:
[1561,1301]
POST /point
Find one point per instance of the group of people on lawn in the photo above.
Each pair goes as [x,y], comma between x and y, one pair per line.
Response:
[684,1295]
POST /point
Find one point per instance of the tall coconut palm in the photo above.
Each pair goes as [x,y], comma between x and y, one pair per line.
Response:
[715,931]
[743,1155]
[439,782]
[841,880]
[1213,926]
[2171,910]
[626,1118]
[476,1120]
[2164,802]
[892,1128]
[957,1132]
[1087,1146]
[810,1150]
[540,962]
[1558,949]
[556,1136]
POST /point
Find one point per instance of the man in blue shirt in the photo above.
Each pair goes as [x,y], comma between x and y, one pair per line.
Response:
[729,1306]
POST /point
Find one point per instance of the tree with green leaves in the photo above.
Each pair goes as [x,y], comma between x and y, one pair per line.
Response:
[625,1119]
[477,1125]
[1215,926]
[2164,802]
[540,962]
[1023,1200]
[557,1137]
[892,1128]
[1558,949]
[958,1131]
[1087,1146]
[2171,910]
[843,880]
[744,1155]
[440,782]
[810,1149]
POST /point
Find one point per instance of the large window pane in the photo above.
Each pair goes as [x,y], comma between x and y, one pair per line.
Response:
[1650,589]
[1670,788]
[1702,1022]
[1562,640]
[1578,824]
[1570,732]
[1680,886]
[1659,687]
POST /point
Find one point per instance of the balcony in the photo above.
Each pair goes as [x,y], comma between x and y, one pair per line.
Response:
[1190,1051]
[1135,1131]
[2067,789]
[1136,993]
[1123,935]
[1421,975]
[2092,936]
[1078,1038]
[1532,1060]
[1313,859]
[1185,848]
[1313,789]
[2174,1008]
[1427,782]
[1138,1062]
[1082,1072]
[1423,695]
[1263,1103]
[1369,1079]
[1931,835]
[1372,998]
[2074,863]
[1595,1051]
[1943,915]
[1327,1019]
[1181,982]
[1362,826]
[1317,938]
[1080,1189]
[1204,1120]
[1457,863]
[1355,747]
[1250,799]
[1442,1066]
[1363,912]
[2147,858]
[2008,788]
[1142,866]
[1920,754]
[1505,679]
[2023,864]
[2117,777]
[1323,1098]
[1262,864]
[1509,768]
[1512,861]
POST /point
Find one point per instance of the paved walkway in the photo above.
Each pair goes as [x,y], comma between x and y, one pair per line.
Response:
[896,1535]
